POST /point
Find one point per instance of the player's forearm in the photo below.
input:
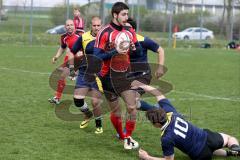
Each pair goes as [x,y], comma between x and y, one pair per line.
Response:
[161,56]
[59,52]
[71,58]
[154,158]
[99,53]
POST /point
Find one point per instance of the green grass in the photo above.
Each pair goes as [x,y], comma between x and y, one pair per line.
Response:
[31,130]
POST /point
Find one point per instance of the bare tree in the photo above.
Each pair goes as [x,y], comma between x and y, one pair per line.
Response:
[165,15]
[223,17]
[1,7]
[24,18]
[1,4]
[16,7]
[229,19]
[101,10]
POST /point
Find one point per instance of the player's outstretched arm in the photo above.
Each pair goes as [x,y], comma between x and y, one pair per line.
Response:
[58,54]
[145,156]
[161,57]
[149,89]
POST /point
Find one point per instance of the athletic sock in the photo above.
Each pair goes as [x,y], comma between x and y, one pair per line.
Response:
[60,88]
[98,121]
[117,123]
[130,126]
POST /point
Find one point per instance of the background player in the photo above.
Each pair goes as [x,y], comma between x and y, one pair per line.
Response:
[78,21]
[67,40]
[86,43]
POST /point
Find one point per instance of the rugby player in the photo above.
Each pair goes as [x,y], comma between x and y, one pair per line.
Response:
[66,42]
[86,44]
[116,65]
[197,143]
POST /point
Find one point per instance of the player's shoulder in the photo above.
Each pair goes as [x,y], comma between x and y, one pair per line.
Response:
[64,35]
[106,29]
[140,38]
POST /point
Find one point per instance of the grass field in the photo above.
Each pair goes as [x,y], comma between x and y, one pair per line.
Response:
[206,90]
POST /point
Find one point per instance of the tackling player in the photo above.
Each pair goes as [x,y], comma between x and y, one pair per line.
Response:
[67,41]
[86,44]
[197,143]
[140,68]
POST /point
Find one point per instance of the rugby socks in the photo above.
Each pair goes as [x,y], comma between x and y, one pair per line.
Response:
[130,126]
[98,121]
[144,106]
[117,123]
[60,88]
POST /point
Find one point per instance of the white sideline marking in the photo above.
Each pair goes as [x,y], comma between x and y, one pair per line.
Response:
[207,96]
[182,92]
[24,71]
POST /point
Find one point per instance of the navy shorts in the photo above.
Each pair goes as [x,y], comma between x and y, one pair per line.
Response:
[82,83]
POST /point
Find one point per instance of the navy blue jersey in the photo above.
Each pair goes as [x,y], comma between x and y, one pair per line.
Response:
[146,44]
[84,43]
[180,133]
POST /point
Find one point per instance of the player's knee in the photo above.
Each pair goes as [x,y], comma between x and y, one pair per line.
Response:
[226,139]
[78,102]
[81,104]
[96,103]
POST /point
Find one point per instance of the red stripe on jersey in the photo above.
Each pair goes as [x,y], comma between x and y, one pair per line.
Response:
[69,40]
[99,36]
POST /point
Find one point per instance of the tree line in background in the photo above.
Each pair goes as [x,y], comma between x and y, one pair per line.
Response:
[158,21]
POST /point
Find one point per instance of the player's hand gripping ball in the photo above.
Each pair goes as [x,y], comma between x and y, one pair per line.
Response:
[122,42]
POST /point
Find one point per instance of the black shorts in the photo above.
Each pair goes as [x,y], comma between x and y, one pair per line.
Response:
[114,84]
[141,72]
[108,89]
[214,142]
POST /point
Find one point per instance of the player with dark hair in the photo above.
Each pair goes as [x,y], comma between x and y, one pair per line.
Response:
[197,143]
[140,67]
[67,41]
[86,44]
[116,64]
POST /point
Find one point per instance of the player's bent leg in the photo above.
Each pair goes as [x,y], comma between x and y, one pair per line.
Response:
[79,95]
[96,103]
[231,143]
[65,72]
[61,83]
[129,97]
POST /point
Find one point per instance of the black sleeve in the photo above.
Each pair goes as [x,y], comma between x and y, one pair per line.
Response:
[77,46]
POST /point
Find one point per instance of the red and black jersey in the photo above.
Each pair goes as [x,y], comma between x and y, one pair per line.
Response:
[68,40]
[105,41]
[78,23]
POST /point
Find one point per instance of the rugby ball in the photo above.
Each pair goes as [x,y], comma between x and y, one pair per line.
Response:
[122,42]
